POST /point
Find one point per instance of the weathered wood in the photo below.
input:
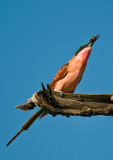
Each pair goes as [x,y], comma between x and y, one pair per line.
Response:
[67,104]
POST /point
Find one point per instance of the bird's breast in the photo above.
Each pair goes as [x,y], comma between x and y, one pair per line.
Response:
[75,72]
[70,81]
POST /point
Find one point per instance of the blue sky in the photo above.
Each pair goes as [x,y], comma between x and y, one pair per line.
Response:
[36,39]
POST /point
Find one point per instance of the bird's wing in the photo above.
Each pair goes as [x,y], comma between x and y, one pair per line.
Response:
[60,75]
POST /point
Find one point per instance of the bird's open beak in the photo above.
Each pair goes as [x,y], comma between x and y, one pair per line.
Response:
[93,39]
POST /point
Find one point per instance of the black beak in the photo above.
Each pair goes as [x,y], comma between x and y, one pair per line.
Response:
[93,39]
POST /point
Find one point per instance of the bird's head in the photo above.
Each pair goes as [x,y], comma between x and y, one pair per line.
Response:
[88,45]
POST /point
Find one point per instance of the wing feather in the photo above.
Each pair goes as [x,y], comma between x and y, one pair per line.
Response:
[60,75]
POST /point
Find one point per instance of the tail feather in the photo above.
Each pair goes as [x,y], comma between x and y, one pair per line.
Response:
[28,123]
[43,115]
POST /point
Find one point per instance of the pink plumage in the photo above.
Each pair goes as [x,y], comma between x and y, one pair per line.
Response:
[73,72]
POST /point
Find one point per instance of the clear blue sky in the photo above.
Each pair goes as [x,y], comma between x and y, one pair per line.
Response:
[36,38]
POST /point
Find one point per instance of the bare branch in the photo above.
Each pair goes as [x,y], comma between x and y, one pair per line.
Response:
[67,104]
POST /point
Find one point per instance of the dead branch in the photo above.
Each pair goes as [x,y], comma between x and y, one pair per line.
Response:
[67,104]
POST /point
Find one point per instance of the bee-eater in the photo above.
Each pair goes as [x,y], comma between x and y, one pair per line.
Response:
[66,79]
[70,75]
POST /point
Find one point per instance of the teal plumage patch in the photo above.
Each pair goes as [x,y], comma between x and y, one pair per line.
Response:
[80,48]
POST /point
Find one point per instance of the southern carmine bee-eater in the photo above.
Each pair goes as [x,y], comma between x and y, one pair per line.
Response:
[66,79]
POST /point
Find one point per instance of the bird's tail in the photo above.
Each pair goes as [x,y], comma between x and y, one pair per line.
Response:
[29,122]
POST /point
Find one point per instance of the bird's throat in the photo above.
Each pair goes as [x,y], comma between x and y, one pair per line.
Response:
[84,54]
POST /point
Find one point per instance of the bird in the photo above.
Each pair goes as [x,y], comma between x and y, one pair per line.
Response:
[66,79]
